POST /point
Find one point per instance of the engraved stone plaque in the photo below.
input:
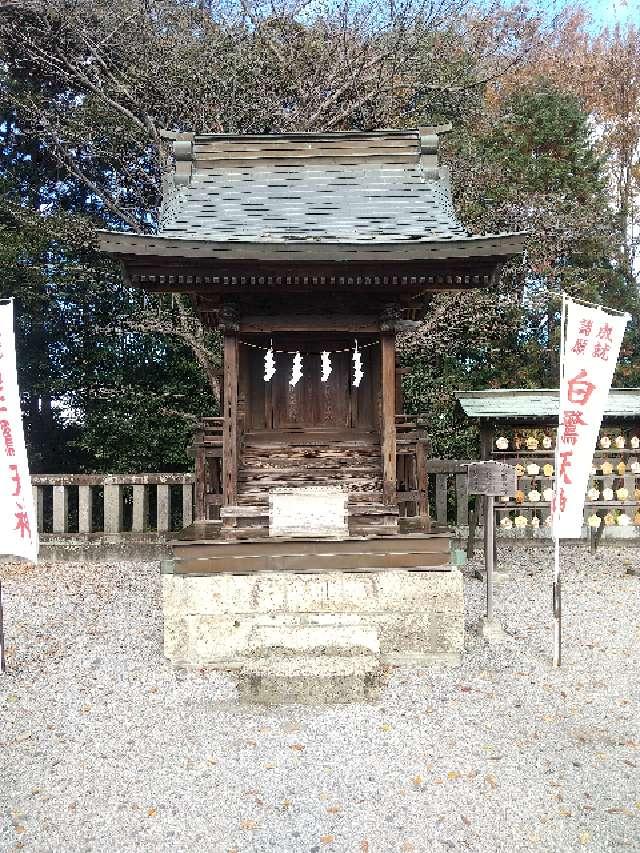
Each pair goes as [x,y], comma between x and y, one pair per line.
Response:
[315,511]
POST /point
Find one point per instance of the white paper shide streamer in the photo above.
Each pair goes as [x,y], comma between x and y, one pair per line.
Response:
[18,523]
[296,370]
[269,365]
[325,361]
[357,367]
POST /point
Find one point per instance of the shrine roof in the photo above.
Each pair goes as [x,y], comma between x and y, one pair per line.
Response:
[502,404]
[291,192]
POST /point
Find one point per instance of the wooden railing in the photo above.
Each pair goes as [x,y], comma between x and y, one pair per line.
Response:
[112,504]
[412,450]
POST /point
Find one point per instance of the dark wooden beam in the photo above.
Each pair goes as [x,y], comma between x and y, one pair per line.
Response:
[230,433]
[388,425]
[309,323]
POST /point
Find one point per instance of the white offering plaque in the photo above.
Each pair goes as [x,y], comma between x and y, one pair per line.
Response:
[314,511]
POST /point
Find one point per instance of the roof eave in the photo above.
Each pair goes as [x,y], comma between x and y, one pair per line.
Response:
[502,246]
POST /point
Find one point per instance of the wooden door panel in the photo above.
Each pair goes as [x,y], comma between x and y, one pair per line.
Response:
[331,404]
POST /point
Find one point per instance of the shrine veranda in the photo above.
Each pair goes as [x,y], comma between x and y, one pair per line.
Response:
[310,252]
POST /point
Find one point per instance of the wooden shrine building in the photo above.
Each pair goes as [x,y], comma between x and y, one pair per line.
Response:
[309,243]
[314,250]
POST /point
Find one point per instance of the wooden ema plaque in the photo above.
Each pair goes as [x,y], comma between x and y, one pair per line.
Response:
[494,479]
[315,511]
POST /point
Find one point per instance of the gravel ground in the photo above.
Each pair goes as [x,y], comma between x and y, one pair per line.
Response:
[105,747]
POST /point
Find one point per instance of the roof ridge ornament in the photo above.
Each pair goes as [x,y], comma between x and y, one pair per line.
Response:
[182,150]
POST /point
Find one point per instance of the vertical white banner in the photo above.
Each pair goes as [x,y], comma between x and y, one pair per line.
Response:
[18,524]
[592,342]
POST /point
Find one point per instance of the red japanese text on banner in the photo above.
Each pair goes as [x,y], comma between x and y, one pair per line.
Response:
[18,523]
[591,347]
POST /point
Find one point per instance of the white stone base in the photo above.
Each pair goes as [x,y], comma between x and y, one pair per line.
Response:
[491,631]
[221,620]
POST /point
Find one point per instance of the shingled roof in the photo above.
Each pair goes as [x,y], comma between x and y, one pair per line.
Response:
[387,194]
[511,404]
[380,189]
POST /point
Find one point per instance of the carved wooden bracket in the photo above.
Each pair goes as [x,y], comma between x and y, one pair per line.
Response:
[229,317]
[390,317]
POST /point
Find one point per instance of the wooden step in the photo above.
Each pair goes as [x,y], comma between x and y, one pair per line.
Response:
[372,509]
[387,551]
[256,497]
[290,481]
[278,466]
[244,511]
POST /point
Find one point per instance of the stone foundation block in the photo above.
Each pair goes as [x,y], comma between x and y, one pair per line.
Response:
[220,620]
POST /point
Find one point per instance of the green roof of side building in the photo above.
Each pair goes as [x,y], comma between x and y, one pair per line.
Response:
[539,403]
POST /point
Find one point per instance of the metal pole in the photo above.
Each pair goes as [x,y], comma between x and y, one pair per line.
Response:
[2,663]
[556,589]
[557,609]
[488,554]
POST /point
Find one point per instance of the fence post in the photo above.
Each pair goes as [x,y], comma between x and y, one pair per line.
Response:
[85,509]
[422,478]
[112,508]
[38,503]
[442,481]
[163,511]
[462,500]
[187,504]
[140,511]
[60,509]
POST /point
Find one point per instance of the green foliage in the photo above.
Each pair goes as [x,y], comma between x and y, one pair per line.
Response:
[532,166]
[97,395]
[113,379]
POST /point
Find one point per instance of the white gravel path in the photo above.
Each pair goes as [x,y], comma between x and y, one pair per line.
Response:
[104,747]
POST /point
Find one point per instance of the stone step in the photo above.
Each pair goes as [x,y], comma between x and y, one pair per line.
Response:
[318,634]
[332,661]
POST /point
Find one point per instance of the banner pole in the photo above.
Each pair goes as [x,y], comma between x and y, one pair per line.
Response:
[2,661]
[557,609]
[556,592]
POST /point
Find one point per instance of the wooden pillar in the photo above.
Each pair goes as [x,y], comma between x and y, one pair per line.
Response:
[388,420]
[486,436]
[230,412]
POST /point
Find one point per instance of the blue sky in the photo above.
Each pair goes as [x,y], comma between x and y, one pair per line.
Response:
[604,12]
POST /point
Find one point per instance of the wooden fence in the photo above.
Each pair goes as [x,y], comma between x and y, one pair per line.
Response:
[112,504]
